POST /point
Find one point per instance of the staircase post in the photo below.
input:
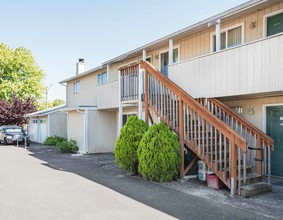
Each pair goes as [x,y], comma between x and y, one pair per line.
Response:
[146,94]
[181,136]
[233,185]
[140,84]
[259,156]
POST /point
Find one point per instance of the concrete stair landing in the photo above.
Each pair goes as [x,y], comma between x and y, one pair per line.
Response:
[255,189]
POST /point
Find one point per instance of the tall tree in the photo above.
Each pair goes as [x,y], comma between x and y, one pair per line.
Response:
[19,74]
[56,102]
[12,112]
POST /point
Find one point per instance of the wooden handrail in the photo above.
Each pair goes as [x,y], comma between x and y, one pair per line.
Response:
[244,122]
[207,115]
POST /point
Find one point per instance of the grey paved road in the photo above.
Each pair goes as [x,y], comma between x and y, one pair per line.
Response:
[43,184]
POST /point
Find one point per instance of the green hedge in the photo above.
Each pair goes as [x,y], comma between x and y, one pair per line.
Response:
[128,142]
[67,146]
[53,140]
[159,154]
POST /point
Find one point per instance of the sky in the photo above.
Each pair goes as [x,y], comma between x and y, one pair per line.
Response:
[58,32]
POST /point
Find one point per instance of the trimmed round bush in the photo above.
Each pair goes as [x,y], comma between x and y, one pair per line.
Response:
[159,154]
[128,142]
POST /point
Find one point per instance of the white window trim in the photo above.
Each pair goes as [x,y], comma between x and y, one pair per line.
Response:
[148,56]
[265,20]
[98,78]
[76,91]
[242,24]
[166,50]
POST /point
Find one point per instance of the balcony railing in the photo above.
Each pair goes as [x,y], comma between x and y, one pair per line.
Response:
[129,83]
[255,67]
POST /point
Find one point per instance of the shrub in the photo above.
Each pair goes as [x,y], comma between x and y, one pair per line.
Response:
[128,142]
[67,146]
[159,154]
[53,140]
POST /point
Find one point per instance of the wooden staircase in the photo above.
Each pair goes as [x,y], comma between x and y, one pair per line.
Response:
[202,127]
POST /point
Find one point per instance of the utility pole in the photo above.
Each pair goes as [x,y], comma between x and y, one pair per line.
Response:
[46,94]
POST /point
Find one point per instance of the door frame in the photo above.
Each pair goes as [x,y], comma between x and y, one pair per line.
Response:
[264,107]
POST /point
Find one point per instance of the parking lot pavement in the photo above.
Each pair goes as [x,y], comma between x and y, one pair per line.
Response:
[187,200]
[29,190]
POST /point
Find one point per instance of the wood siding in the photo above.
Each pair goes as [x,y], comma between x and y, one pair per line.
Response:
[58,124]
[251,68]
[107,95]
[75,129]
[257,118]
[87,94]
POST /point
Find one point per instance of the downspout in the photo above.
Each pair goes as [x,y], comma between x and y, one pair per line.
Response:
[48,126]
[120,116]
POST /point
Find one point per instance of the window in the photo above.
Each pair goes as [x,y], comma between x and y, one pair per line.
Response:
[237,109]
[274,24]
[229,38]
[125,118]
[77,87]
[148,59]
[42,121]
[102,78]
[164,60]
[175,55]
[34,121]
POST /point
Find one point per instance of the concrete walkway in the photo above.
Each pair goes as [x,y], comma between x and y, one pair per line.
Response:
[29,190]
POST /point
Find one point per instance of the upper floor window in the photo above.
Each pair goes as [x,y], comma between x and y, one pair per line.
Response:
[164,60]
[274,24]
[102,78]
[76,87]
[230,37]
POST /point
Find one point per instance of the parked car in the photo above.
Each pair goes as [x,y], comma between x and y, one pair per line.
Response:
[11,134]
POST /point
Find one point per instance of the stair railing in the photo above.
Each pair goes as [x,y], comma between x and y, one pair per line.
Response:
[214,142]
[259,144]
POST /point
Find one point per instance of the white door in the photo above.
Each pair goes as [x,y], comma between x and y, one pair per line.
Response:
[32,130]
[42,130]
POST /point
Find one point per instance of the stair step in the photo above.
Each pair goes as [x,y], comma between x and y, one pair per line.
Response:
[251,178]
[248,169]
[255,189]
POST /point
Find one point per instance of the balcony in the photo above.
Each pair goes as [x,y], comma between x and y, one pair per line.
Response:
[107,95]
[252,68]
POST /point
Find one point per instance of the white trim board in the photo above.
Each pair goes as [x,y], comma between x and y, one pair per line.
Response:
[264,23]
[264,106]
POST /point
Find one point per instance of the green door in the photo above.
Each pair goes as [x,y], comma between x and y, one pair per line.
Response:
[275,24]
[274,128]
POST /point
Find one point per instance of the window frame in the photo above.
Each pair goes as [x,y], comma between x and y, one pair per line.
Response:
[225,30]
[147,57]
[127,114]
[265,21]
[167,50]
[76,87]
[105,79]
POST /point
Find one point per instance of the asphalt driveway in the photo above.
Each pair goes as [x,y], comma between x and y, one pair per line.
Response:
[41,183]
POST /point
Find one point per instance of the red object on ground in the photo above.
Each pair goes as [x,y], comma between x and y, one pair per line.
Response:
[214,182]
